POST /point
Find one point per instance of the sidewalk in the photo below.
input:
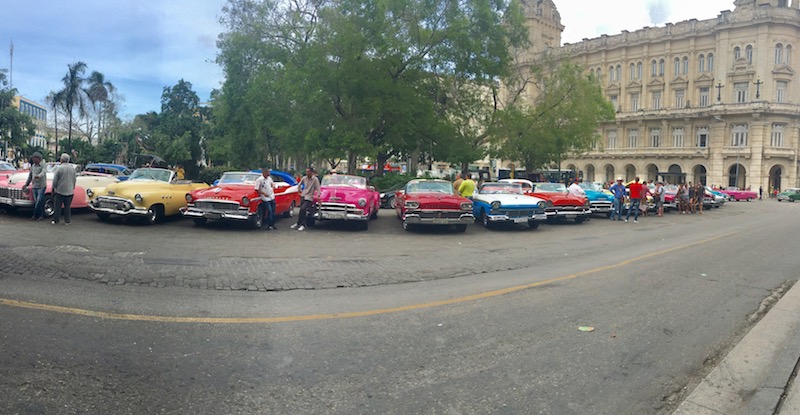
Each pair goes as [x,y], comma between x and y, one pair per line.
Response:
[753,377]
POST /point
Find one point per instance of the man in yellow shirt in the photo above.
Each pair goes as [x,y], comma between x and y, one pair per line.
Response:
[467,187]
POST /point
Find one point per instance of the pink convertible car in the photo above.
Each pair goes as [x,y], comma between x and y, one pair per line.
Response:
[347,198]
[734,193]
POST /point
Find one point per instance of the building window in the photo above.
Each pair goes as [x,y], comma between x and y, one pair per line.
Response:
[661,65]
[599,74]
[653,68]
[748,54]
[639,70]
[610,74]
[777,135]
[680,100]
[614,101]
[780,91]
[788,55]
[737,53]
[677,67]
[656,100]
[710,59]
[634,102]
[612,139]
[739,135]
[685,65]
[677,137]
[741,91]
[618,71]
[704,96]
[702,137]
[778,54]
[633,138]
[655,137]
[633,72]
[701,63]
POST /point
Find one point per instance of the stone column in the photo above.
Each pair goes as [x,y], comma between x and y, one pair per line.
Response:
[757,135]
[717,136]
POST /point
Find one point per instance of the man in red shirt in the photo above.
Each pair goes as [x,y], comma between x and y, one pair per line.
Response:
[636,190]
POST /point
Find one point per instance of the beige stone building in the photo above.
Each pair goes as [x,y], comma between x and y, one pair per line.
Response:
[710,100]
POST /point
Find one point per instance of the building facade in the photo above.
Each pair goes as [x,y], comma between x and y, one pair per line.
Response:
[712,101]
[38,114]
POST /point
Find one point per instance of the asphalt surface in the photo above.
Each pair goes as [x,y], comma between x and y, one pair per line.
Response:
[127,318]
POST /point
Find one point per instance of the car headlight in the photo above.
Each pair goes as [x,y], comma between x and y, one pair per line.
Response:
[245,201]
[89,193]
[496,205]
[542,205]
[138,198]
[189,198]
[549,203]
[362,202]
[411,204]
[467,205]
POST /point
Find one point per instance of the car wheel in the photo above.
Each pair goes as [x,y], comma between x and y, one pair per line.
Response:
[461,228]
[103,216]
[748,199]
[374,214]
[407,226]
[255,221]
[154,214]
[290,213]
[533,224]
[485,220]
[579,219]
[49,206]
[200,221]
[392,203]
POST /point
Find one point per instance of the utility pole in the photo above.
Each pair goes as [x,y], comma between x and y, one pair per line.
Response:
[11,64]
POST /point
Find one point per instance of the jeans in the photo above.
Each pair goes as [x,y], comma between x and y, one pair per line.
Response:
[616,210]
[305,207]
[267,211]
[635,207]
[66,201]
[38,202]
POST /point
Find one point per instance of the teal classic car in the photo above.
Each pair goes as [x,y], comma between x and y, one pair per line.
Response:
[791,194]
[599,201]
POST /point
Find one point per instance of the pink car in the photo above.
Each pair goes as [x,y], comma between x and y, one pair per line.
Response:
[347,198]
[13,196]
[734,193]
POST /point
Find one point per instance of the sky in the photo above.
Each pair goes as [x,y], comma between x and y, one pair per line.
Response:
[142,46]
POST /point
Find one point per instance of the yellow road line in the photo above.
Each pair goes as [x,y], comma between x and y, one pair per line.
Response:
[311,317]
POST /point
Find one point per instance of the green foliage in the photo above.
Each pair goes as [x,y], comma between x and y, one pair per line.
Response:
[209,174]
[388,180]
[15,126]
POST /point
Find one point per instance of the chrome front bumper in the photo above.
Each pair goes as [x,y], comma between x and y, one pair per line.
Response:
[325,215]
[567,212]
[16,202]
[518,219]
[121,207]
[192,212]
[462,219]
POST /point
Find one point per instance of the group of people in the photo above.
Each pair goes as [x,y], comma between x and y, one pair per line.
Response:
[63,187]
[464,185]
[688,198]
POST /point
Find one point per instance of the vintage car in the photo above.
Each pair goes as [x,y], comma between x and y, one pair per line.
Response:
[13,196]
[346,198]
[117,170]
[432,202]
[734,193]
[561,204]
[791,194]
[234,197]
[150,193]
[496,202]
[6,170]
[715,198]
[387,195]
[600,201]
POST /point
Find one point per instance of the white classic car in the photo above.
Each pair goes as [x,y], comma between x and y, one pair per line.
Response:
[506,202]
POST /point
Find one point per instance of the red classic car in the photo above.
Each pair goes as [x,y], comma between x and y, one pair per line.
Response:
[347,198]
[234,198]
[432,202]
[13,196]
[734,193]
[560,204]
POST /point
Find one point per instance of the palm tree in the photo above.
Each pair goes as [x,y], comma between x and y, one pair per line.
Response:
[73,95]
[98,92]
[56,100]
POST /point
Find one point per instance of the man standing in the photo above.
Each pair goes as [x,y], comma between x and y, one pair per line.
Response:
[265,190]
[310,185]
[636,199]
[467,187]
[760,192]
[37,176]
[658,196]
[699,194]
[457,183]
[618,190]
[576,190]
[63,189]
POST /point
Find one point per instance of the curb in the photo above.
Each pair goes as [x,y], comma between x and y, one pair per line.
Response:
[753,377]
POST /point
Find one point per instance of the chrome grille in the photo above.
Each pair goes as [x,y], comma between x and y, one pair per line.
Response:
[338,207]
[12,193]
[216,205]
[515,213]
[448,214]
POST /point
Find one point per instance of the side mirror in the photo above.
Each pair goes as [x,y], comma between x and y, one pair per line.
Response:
[373,188]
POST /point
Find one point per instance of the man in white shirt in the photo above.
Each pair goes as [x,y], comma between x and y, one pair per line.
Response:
[266,192]
[576,190]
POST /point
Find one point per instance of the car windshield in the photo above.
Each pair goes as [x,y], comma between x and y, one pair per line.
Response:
[495,188]
[344,180]
[160,175]
[430,187]
[551,188]
[228,178]
[590,186]
[6,167]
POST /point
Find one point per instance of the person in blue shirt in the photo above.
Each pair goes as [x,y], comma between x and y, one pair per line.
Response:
[618,189]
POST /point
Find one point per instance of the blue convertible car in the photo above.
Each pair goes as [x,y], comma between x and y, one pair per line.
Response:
[599,201]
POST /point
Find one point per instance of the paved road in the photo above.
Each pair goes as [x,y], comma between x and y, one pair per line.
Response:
[441,323]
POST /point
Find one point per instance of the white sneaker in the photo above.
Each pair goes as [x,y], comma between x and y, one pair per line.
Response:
[294,226]
[626,221]
[635,221]
[301,228]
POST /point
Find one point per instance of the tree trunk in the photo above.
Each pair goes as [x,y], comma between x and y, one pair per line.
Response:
[464,166]
[380,161]
[351,162]
[413,163]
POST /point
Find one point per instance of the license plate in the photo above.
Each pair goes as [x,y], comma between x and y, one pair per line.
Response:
[107,205]
[520,220]
[335,216]
[213,215]
[440,221]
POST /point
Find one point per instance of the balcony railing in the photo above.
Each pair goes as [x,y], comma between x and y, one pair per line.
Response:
[650,152]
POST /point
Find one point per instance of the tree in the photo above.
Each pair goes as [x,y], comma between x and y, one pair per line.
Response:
[175,133]
[568,107]
[98,92]
[56,102]
[73,95]
[16,128]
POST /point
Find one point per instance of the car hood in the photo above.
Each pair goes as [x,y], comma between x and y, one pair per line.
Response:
[559,199]
[342,194]
[225,192]
[437,200]
[595,195]
[508,200]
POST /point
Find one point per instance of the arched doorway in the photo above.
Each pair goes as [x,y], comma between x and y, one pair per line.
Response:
[652,172]
[589,173]
[700,174]
[775,178]
[675,175]
[609,173]
[630,172]
[736,176]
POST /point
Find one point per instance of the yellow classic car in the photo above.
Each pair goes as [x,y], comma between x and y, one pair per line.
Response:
[151,193]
